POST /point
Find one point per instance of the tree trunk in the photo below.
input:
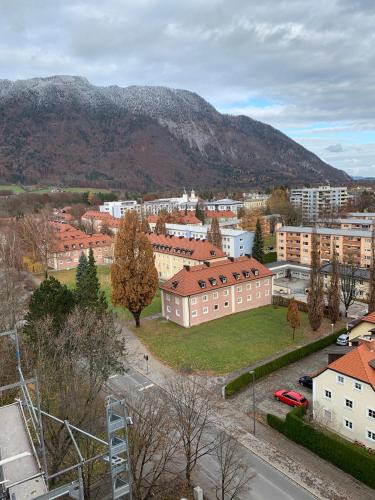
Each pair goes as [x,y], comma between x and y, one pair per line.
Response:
[137,318]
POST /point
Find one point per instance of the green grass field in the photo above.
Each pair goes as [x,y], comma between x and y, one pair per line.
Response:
[33,189]
[68,278]
[223,345]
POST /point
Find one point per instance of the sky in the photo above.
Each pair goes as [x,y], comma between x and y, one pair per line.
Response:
[305,67]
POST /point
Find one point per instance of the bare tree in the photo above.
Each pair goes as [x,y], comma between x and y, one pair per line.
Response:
[192,415]
[153,444]
[333,289]
[315,297]
[371,292]
[348,285]
[234,474]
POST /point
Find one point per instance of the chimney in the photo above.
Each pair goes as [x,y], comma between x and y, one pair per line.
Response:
[248,255]
[187,267]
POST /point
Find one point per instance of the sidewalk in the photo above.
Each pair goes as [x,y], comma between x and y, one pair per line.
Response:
[319,477]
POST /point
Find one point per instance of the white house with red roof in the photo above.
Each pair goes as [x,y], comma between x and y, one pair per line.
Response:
[216,289]
[363,327]
[344,394]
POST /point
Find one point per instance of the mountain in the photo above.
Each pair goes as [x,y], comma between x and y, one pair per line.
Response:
[64,130]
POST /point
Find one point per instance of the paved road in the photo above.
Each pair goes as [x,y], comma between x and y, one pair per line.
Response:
[267,484]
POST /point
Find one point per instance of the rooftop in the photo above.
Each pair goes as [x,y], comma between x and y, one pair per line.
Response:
[192,248]
[204,229]
[362,214]
[215,275]
[370,318]
[324,230]
[224,214]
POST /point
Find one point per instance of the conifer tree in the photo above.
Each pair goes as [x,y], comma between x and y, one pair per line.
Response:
[199,213]
[258,252]
[214,233]
[160,227]
[293,316]
[133,273]
[315,297]
[333,289]
[81,268]
[88,292]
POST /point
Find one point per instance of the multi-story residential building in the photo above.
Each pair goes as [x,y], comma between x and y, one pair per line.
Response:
[256,201]
[235,242]
[319,202]
[354,223]
[359,278]
[344,395]
[94,221]
[362,215]
[118,208]
[223,205]
[185,202]
[70,242]
[294,244]
[216,289]
[172,253]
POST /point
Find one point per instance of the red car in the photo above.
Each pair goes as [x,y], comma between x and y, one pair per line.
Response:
[291,398]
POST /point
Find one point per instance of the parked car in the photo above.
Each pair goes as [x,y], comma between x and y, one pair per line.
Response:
[291,398]
[306,381]
[343,339]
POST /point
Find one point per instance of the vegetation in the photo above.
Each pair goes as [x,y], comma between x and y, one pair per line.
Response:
[333,290]
[87,291]
[199,213]
[315,296]
[352,459]
[245,379]
[258,245]
[214,234]
[293,316]
[133,274]
[225,344]
[160,227]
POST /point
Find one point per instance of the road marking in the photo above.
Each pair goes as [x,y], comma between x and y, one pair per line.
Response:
[113,376]
[145,387]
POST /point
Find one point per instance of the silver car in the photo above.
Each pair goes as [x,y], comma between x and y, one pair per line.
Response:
[343,339]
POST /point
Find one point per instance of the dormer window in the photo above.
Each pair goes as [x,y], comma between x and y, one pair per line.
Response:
[202,283]
[246,274]
[213,253]
[223,278]
[255,271]
[236,276]
[212,281]
[174,284]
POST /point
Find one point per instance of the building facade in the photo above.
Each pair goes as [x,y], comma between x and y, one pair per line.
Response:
[172,253]
[118,208]
[294,243]
[344,395]
[185,203]
[319,202]
[224,205]
[256,202]
[216,289]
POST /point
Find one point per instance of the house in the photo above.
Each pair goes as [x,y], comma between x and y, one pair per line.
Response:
[362,328]
[216,289]
[344,395]
[358,276]
[172,253]
[95,221]
[221,215]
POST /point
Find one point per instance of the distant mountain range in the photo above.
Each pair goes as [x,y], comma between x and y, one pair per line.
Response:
[63,130]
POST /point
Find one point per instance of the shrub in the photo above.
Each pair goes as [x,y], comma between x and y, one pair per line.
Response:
[356,461]
[245,379]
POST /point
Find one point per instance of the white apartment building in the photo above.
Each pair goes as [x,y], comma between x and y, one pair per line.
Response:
[344,395]
[223,205]
[118,208]
[235,242]
[185,202]
[320,201]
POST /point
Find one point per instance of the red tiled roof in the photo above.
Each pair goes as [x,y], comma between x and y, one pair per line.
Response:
[224,214]
[152,218]
[236,271]
[370,318]
[76,242]
[188,247]
[189,219]
[95,214]
[355,364]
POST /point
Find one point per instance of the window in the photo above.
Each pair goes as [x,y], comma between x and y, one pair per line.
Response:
[168,309]
[177,313]
[266,293]
[177,300]
[370,435]
[226,304]
[248,286]
[205,298]
[215,295]
[339,379]
[193,301]
[194,314]
[258,295]
[257,284]
[327,394]
[357,386]
[267,282]
[205,310]
[226,293]
[249,298]
[349,403]
[348,424]
[239,300]
[216,307]
[371,413]
[239,289]
[327,414]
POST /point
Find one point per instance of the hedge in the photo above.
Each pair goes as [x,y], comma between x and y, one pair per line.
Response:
[245,379]
[345,455]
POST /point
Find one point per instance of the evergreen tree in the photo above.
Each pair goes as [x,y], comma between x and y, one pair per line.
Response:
[88,293]
[199,213]
[133,273]
[52,299]
[214,233]
[315,297]
[81,268]
[258,252]
[333,290]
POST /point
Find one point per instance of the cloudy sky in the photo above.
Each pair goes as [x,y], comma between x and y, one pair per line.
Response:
[306,67]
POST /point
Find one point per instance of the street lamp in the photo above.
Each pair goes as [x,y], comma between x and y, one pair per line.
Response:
[252,372]
[332,325]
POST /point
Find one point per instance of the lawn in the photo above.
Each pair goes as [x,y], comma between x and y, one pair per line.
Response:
[68,278]
[223,345]
[35,190]
[270,240]
[11,187]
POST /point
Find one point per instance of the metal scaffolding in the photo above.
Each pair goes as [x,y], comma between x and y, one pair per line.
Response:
[115,450]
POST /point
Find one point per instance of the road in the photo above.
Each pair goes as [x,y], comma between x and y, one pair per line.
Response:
[268,483]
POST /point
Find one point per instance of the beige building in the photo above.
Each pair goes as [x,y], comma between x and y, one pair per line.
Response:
[363,328]
[344,395]
[172,253]
[256,202]
[293,243]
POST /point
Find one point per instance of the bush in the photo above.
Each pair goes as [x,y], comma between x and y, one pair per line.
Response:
[356,461]
[245,379]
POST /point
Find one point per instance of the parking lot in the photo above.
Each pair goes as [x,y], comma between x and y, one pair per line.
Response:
[285,378]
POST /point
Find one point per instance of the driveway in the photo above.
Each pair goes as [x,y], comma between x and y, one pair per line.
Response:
[284,378]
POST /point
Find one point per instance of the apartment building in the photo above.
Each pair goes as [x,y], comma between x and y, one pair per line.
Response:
[319,202]
[294,243]
[95,221]
[355,223]
[223,205]
[344,395]
[172,253]
[70,242]
[256,201]
[216,289]
[185,202]
[118,208]
[362,215]
[235,242]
